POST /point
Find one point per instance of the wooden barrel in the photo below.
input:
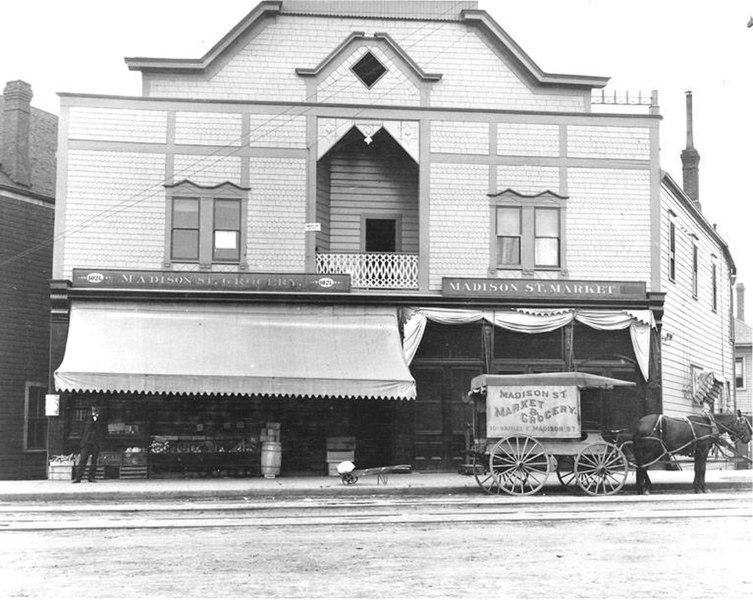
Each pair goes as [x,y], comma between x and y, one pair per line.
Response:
[271,459]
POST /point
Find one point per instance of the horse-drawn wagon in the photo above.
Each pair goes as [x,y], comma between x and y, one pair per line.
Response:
[532,426]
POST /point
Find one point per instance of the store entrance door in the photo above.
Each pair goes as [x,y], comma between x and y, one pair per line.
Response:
[441,417]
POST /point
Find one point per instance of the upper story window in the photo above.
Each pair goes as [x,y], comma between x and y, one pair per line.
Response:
[528,231]
[547,232]
[672,250]
[714,288]
[508,236]
[368,69]
[206,224]
[695,271]
[35,429]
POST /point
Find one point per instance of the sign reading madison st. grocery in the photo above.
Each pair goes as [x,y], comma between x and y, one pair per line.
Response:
[535,410]
[266,282]
[542,288]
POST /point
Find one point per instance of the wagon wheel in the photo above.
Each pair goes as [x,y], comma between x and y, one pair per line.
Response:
[520,465]
[483,476]
[566,470]
[348,478]
[601,469]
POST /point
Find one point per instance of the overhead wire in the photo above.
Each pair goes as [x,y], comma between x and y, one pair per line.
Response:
[232,148]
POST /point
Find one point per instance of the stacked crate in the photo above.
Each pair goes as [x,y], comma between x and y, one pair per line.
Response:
[339,449]
[134,464]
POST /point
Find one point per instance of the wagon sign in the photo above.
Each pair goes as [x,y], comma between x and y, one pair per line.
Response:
[534,410]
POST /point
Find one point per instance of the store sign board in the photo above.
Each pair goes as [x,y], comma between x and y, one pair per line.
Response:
[533,410]
[177,280]
[565,289]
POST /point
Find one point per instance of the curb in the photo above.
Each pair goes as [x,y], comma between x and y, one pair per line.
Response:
[337,492]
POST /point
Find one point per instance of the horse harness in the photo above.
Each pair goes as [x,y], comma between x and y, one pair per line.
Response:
[657,435]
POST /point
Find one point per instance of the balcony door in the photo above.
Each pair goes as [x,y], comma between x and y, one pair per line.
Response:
[380,235]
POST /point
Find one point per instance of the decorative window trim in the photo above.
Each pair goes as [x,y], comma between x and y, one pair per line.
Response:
[527,203]
[206,196]
[27,418]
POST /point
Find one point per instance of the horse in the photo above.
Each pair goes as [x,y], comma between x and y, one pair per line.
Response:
[656,437]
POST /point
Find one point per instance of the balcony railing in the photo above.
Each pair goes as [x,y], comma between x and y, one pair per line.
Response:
[387,270]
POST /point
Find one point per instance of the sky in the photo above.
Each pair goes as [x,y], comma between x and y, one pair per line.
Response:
[671,46]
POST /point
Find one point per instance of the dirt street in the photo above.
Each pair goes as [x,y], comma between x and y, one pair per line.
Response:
[705,557]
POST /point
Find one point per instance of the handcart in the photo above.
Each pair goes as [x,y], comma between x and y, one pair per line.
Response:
[533,426]
[349,474]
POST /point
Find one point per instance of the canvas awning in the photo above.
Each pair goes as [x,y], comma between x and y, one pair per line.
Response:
[581,380]
[277,350]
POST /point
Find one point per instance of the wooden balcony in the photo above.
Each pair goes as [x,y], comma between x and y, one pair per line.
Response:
[373,270]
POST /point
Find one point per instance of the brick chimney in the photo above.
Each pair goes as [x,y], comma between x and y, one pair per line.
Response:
[14,149]
[690,157]
[740,288]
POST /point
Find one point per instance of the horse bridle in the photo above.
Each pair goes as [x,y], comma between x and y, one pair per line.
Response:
[740,423]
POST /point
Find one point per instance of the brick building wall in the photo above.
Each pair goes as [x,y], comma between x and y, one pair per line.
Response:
[24,324]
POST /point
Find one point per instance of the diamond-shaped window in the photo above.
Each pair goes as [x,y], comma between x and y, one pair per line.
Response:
[368,69]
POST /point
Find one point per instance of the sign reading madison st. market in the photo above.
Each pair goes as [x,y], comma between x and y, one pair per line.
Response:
[542,288]
[174,280]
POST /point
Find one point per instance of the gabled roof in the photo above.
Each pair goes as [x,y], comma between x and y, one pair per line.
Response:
[742,333]
[263,10]
[382,37]
[483,20]
[271,8]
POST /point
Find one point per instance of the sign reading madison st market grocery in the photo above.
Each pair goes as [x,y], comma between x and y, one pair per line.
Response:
[175,280]
[543,288]
[535,410]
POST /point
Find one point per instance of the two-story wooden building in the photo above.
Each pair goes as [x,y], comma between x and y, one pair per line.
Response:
[338,216]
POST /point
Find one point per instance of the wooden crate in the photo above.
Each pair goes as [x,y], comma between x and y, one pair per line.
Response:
[60,471]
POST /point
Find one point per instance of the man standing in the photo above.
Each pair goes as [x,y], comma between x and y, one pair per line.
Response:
[94,431]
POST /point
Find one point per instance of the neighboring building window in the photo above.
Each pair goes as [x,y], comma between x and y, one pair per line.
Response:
[206,224]
[35,430]
[695,271]
[739,373]
[368,69]
[528,231]
[508,236]
[672,250]
[714,289]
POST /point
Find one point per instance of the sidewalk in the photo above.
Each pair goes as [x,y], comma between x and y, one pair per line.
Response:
[412,484]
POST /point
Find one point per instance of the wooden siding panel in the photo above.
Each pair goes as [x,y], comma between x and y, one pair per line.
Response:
[700,335]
